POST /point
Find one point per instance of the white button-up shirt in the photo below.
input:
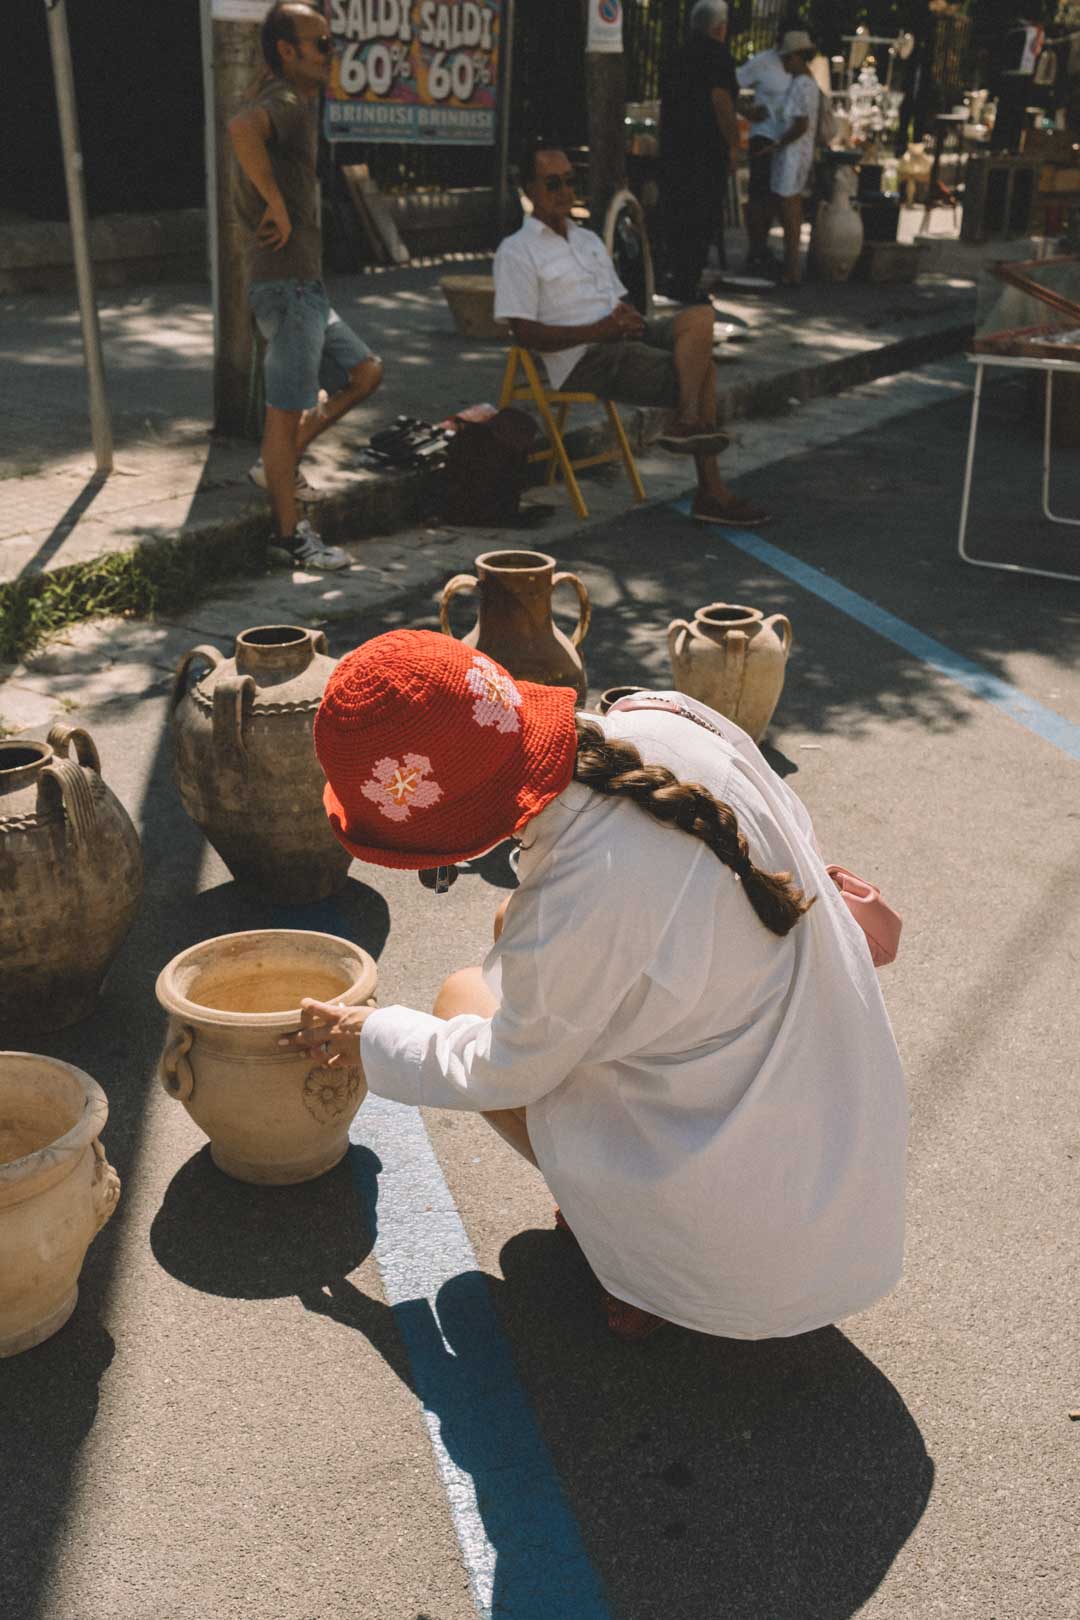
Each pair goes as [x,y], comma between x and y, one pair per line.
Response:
[561,281]
[766,75]
[719,1112]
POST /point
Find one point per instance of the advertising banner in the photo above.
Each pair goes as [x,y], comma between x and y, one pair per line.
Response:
[605,26]
[414,70]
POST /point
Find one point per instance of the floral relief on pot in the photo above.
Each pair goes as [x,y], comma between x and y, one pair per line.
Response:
[245,764]
[272,1115]
[57,1190]
[734,659]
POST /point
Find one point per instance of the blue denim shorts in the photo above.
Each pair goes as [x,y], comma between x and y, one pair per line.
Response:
[308,345]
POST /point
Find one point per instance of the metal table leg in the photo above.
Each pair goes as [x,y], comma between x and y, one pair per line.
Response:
[965,503]
[1047,418]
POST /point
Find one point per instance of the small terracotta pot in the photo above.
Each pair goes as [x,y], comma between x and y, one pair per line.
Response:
[272,1116]
[733,659]
[57,1190]
[613,694]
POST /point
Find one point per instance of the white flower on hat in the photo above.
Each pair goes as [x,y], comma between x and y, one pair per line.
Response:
[398,787]
[498,699]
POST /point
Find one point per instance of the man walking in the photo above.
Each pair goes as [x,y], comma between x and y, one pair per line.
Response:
[698,144]
[556,285]
[277,199]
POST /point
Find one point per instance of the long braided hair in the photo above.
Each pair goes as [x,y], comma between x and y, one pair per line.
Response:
[612,766]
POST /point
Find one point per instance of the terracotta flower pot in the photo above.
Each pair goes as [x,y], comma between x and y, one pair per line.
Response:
[613,694]
[245,762]
[57,1190]
[734,660]
[472,304]
[272,1116]
[514,624]
[70,879]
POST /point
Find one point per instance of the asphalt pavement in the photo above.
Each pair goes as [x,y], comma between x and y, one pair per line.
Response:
[390,1393]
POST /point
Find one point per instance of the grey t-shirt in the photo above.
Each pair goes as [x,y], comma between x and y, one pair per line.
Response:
[292,148]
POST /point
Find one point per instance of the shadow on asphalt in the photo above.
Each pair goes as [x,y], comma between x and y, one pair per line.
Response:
[707,1476]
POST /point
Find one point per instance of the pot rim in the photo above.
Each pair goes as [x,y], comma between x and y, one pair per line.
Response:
[196,1012]
[543,561]
[729,609]
[90,1123]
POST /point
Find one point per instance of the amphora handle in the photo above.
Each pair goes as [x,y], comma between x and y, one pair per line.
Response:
[319,643]
[233,697]
[782,626]
[72,784]
[460,582]
[678,632]
[581,629]
[208,654]
[175,1071]
[62,738]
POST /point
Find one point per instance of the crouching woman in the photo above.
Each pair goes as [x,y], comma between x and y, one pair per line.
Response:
[679,1024]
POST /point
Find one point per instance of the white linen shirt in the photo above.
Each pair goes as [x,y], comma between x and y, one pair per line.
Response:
[766,75]
[561,281]
[719,1112]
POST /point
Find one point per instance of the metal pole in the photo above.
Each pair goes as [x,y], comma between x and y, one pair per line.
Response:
[60,46]
[502,154]
[206,36]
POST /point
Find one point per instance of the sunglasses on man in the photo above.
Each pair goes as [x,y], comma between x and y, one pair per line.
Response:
[324,44]
[559,182]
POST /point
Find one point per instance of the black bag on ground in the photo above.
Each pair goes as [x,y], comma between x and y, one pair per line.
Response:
[487,469]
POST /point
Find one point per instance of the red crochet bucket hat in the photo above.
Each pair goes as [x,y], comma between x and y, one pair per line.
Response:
[433,753]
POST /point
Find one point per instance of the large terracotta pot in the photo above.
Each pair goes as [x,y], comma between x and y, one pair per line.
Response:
[733,659]
[70,879]
[245,762]
[57,1190]
[271,1114]
[514,625]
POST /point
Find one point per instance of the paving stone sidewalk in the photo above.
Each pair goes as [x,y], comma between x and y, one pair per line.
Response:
[172,478]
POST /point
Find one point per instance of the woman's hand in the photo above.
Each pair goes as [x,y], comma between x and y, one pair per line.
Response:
[329,1033]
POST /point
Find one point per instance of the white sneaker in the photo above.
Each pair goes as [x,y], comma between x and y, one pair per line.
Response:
[306,550]
[304,491]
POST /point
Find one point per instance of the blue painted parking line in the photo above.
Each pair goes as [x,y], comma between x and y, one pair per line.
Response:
[1026,711]
[519,1540]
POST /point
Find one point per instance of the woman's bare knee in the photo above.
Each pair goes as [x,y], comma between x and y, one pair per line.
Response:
[464,992]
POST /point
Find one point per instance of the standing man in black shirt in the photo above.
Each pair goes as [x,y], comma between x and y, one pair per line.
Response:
[698,143]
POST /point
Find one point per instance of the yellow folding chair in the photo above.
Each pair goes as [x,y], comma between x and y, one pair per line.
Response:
[553,406]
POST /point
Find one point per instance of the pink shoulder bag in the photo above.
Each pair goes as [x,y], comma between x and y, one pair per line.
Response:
[880,924]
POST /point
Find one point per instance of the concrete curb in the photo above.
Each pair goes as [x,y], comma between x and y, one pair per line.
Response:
[383,502]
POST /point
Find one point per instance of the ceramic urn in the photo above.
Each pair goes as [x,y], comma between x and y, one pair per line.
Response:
[273,1115]
[245,762]
[57,1190]
[514,623]
[733,659]
[70,879]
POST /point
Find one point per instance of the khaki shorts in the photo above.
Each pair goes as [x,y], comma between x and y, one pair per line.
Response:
[635,371]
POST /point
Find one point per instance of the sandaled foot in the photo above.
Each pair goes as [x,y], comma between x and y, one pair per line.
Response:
[730,513]
[629,1322]
[694,439]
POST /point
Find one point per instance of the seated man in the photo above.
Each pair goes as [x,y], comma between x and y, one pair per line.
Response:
[557,286]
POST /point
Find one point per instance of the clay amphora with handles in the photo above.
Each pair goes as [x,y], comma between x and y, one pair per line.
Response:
[733,659]
[70,879]
[514,625]
[245,763]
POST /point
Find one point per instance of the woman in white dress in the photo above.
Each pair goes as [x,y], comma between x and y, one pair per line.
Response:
[794,155]
[679,1024]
